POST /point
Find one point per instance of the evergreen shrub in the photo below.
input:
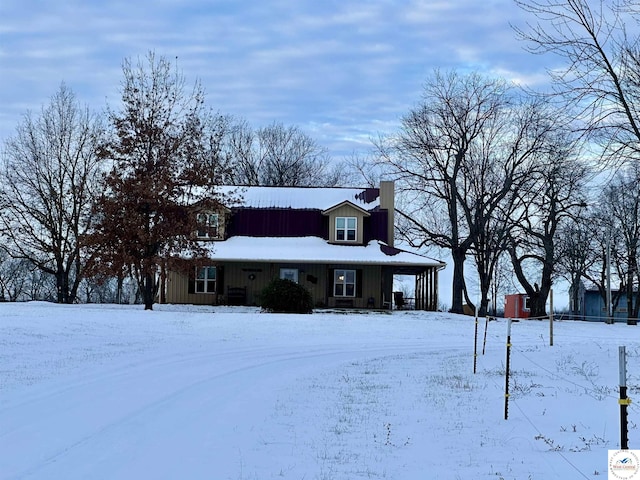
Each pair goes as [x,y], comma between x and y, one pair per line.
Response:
[285,296]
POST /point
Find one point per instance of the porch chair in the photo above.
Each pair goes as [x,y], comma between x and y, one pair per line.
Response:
[386,304]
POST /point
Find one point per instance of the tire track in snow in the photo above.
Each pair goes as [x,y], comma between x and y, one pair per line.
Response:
[253,360]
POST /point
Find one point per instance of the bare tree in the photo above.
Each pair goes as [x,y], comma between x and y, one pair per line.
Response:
[47,187]
[620,210]
[577,252]
[14,275]
[554,196]
[276,155]
[502,284]
[161,155]
[600,80]
[426,158]
[457,160]
[214,147]
[591,240]
[99,290]
[40,285]
[499,166]
[363,169]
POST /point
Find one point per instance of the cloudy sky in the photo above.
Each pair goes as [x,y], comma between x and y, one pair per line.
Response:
[341,70]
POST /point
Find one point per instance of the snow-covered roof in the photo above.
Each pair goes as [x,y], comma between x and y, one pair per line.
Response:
[314,250]
[302,197]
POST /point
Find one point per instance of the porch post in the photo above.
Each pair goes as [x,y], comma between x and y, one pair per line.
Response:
[435,289]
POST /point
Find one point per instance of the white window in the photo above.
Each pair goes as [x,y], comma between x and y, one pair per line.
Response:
[527,304]
[346,229]
[289,274]
[206,280]
[344,283]
[207,225]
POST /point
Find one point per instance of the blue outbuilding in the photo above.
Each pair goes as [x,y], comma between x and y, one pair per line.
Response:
[590,304]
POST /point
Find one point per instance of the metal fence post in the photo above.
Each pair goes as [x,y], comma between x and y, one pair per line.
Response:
[475,344]
[624,400]
[551,318]
[506,385]
[486,327]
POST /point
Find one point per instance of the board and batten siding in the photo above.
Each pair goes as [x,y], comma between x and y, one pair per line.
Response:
[369,276]
[346,211]
[177,291]
[256,276]
[316,278]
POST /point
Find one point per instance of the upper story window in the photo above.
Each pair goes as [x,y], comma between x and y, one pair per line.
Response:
[207,225]
[346,229]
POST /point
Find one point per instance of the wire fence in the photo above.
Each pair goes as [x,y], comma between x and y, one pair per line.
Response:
[588,387]
[566,316]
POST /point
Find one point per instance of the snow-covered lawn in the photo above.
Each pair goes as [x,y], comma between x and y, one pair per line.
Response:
[114,392]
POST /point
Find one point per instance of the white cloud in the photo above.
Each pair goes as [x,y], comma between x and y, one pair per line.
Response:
[345,67]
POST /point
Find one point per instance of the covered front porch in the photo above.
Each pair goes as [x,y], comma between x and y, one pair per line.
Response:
[337,276]
[423,295]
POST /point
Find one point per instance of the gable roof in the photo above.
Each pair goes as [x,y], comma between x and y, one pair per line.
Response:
[311,198]
[346,203]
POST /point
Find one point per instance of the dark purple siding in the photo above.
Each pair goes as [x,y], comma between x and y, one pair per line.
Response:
[272,222]
[375,227]
[267,222]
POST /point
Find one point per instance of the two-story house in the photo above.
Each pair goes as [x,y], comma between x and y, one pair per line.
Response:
[336,242]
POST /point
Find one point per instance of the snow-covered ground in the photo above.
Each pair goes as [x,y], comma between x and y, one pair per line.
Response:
[114,392]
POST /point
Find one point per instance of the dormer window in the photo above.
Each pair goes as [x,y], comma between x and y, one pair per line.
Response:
[207,225]
[346,223]
[346,228]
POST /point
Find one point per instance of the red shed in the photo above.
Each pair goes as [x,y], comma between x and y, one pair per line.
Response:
[516,305]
